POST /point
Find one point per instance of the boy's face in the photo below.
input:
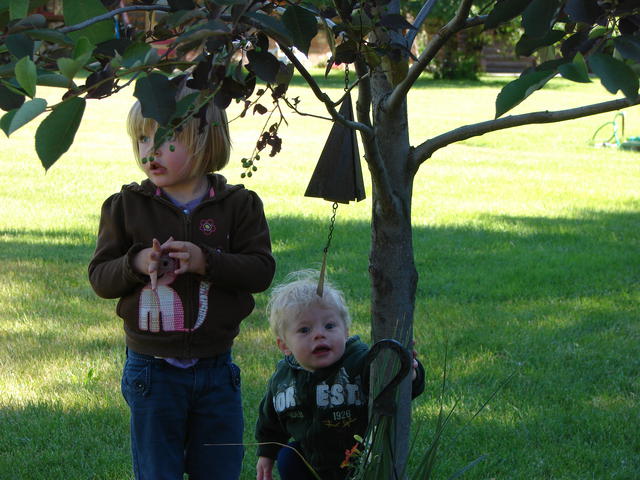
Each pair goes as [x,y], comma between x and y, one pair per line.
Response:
[169,165]
[316,339]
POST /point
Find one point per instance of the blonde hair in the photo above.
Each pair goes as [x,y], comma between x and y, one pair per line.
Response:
[298,293]
[209,149]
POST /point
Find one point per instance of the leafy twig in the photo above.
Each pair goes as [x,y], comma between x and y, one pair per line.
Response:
[323,97]
[111,14]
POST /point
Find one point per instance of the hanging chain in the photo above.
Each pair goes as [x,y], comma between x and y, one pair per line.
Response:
[323,269]
[332,224]
[346,77]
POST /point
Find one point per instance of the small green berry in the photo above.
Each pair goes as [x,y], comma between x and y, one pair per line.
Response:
[172,148]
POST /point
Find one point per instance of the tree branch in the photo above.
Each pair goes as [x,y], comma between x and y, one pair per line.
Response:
[457,23]
[427,149]
[323,97]
[420,19]
[363,104]
[111,14]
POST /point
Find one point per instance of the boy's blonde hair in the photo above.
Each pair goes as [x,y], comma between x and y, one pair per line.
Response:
[208,149]
[299,292]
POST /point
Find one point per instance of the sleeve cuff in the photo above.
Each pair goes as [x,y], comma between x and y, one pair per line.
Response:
[128,265]
[269,450]
[417,387]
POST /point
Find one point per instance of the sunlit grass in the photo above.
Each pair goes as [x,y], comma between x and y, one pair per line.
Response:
[527,247]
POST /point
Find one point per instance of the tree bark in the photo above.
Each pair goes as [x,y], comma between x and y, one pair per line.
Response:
[391,262]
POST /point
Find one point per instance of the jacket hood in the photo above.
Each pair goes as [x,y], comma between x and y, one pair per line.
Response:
[219,183]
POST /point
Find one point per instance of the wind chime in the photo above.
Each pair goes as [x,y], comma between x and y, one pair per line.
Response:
[337,177]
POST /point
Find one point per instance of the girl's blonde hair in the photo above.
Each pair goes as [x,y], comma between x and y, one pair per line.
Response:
[298,293]
[209,148]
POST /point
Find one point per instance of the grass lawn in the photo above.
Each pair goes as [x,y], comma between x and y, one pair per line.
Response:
[527,243]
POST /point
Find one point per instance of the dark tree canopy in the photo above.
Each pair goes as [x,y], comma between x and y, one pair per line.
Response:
[226,43]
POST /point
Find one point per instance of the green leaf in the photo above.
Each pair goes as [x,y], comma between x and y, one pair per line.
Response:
[285,74]
[55,134]
[18,9]
[575,71]
[49,79]
[10,100]
[135,54]
[174,20]
[111,48]
[20,45]
[330,38]
[538,17]
[77,11]
[32,21]
[181,5]
[83,50]
[212,28]
[527,45]
[51,36]
[505,11]
[303,26]
[584,11]
[183,105]
[23,115]
[272,27]
[614,75]
[26,75]
[6,119]
[597,32]
[157,97]
[628,46]
[68,67]
[516,91]
[12,85]
[264,65]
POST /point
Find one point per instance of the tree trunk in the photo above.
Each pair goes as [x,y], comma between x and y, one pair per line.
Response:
[391,266]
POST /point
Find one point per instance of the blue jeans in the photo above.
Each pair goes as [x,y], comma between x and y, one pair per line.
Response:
[290,465]
[180,416]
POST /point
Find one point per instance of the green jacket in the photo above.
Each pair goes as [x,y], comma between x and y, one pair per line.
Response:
[321,410]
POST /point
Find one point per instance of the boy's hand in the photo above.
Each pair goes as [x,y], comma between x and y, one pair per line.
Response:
[188,254]
[264,467]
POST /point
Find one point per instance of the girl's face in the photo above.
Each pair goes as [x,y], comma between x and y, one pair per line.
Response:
[168,166]
[316,339]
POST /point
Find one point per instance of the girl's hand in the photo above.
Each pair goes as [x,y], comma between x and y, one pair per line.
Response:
[146,260]
[188,254]
[264,467]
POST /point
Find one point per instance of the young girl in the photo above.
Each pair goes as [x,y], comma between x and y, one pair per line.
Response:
[183,251]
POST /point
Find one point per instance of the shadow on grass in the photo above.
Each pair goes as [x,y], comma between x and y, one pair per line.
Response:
[553,298]
[522,258]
